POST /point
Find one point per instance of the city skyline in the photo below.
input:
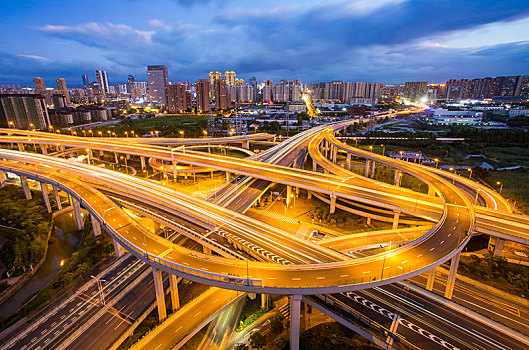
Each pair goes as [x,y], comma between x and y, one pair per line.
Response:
[383,41]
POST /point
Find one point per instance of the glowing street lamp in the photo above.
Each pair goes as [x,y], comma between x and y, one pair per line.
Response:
[109,133]
[371,148]
[127,134]
[100,133]
[401,152]
[383,149]
[205,132]
[181,132]
[126,165]
[90,131]
[470,176]
[436,162]
[501,185]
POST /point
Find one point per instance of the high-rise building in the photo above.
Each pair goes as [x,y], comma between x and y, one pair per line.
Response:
[102,81]
[59,101]
[203,99]
[239,82]
[230,78]
[85,80]
[176,96]
[61,86]
[415,90]
[213,76]
[40,88]
[157,79]
[221,95]
[268,91]
[281,93]
[24,111]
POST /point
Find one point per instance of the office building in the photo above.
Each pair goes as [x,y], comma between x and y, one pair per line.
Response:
[61,86]
[102,81]
[40,88]
[268,91]
[213,76]
[230,78]
[415,90]
[203,99]
[24,111]
[85,80]
[176,96]
[157,79]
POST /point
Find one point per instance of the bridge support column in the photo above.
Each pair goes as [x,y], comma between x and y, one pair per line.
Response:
[101,154]
[265,301]
[20,147]
[120,251]
[326,147]
[175,299]
[45,196]
[334,154]
[398,177]
[57,198]
[44,149]
[228,177]
[25,187]
[2,179]
[366,170]
[116,157]
[309,194]
[295,316]
[431,190]
[246,144]
[175,172]
[396,215]
[160,295]
[157,227]
[314,165]
[289,196]
[209,147]
[430,279]
[368,221]
[142,160]
[348,161]
[206,250]
[333,203]
[96,227]
[451,280]
[496,245]
[77,213]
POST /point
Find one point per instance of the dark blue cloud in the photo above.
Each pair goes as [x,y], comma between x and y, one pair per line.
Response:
[384,40]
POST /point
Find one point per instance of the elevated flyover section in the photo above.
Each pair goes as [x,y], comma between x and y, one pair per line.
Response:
[333,274]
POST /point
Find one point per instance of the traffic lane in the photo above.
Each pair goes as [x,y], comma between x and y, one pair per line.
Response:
[48,327]
[469,331]
[505,311]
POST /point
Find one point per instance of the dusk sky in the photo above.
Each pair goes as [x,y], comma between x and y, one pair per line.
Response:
[388,41]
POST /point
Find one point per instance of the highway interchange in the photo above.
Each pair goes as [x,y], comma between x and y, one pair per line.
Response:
[308,268]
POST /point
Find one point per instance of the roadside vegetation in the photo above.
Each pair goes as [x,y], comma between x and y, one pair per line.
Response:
[27,239]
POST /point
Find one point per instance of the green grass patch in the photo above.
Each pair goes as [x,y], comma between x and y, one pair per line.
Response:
[508,156]
[251,311]
[515,186]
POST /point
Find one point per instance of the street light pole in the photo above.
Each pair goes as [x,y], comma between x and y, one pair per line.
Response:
[100,288]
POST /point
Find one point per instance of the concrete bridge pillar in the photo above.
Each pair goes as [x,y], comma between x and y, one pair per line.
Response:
[367,167]
[142,160]
[333,203]
[2,179]
[209,147]
[396,215]
[348,161]
[157,227]
[334,154]
[45,196]
[246,144]
[160,295]
[451,280]
[309,194]
[228,177]
[289,196]
[496,245]
[57,198]
[326,148]
[101,154]
[206,250]
[96,227]
[20,147]
[77,213]
[295,316]
[175,172]
[372,175]
[175,299]
[431,190]
[398,177]
[120,251]
[314,165]
[44,149]
[116,157]
[430,279]
[25,187]
[265,301]
[368,221]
